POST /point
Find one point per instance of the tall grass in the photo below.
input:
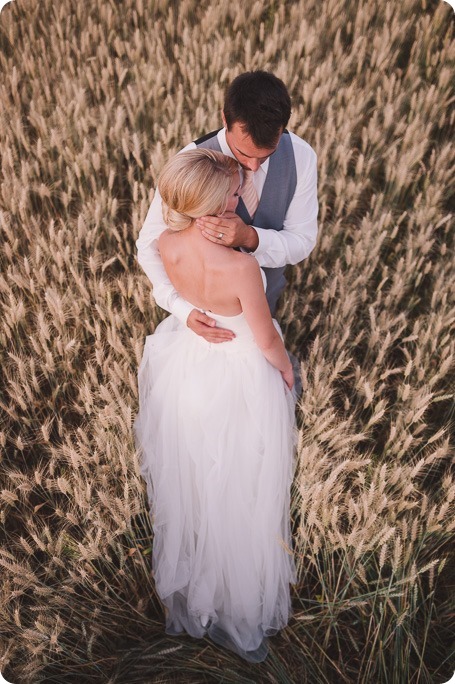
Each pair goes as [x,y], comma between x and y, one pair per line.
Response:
[93,98]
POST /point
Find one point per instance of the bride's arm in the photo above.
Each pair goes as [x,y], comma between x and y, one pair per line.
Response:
[250,291]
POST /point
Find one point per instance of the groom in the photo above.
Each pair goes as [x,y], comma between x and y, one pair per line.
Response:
[276,218]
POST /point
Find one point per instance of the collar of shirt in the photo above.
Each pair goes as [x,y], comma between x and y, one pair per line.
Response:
[221,135]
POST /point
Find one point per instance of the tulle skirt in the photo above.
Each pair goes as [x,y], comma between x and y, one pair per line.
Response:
[215,434]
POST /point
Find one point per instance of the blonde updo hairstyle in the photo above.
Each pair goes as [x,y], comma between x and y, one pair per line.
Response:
[195,183]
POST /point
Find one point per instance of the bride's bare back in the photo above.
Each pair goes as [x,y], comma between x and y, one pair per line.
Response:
[201,271]
[223,281]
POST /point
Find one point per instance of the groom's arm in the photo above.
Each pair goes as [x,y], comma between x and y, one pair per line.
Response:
[298,236]
[148,256]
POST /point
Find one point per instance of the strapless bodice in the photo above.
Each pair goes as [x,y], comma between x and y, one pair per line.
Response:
[237,324]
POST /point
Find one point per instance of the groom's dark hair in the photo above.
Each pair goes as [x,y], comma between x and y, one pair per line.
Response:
[260,102]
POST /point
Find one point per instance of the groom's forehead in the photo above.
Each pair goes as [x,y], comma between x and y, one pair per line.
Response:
[245,145]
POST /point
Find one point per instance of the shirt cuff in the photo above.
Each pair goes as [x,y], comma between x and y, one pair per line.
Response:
[263,244]
[181,309]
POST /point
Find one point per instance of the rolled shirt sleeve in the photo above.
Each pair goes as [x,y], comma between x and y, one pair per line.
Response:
[298,236]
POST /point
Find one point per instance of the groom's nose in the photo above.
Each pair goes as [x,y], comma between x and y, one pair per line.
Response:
[252,164]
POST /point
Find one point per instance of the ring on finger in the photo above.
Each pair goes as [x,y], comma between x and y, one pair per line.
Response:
[220,236]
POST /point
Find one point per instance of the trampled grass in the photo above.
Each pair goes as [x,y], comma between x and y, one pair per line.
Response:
[93,98]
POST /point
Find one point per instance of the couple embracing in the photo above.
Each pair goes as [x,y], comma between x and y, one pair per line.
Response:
[215,428]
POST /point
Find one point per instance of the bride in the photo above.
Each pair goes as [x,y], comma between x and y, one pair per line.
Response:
[215,429]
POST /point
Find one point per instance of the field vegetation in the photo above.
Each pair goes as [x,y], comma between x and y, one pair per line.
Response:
[93,99]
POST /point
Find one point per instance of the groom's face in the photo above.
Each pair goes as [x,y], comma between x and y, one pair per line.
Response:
[244,150]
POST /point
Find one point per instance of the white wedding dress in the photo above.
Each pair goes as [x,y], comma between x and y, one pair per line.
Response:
[215,434]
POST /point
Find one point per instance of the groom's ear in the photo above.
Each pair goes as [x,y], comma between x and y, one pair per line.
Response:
[223,118]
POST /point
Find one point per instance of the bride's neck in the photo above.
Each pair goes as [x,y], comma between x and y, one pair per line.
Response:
[192,230]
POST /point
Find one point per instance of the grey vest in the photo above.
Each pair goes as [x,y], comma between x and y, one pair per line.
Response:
[277,193]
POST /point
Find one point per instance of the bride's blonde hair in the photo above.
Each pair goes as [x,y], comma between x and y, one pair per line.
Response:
[195,183]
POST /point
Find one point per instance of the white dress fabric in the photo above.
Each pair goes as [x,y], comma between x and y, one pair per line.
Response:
[215,433]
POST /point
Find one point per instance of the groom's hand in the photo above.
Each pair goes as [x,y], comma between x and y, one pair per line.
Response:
[228,230]
[205,326]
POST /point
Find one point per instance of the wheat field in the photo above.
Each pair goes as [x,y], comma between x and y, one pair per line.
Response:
[93,99]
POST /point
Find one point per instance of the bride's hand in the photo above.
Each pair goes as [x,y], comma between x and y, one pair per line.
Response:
[205,326]
[288,376]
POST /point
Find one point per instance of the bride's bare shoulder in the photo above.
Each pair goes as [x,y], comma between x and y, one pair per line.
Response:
[245,272]
[245,263]
[164,236]
[168,245]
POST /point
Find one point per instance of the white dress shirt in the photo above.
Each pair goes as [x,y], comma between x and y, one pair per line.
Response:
[276,247]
